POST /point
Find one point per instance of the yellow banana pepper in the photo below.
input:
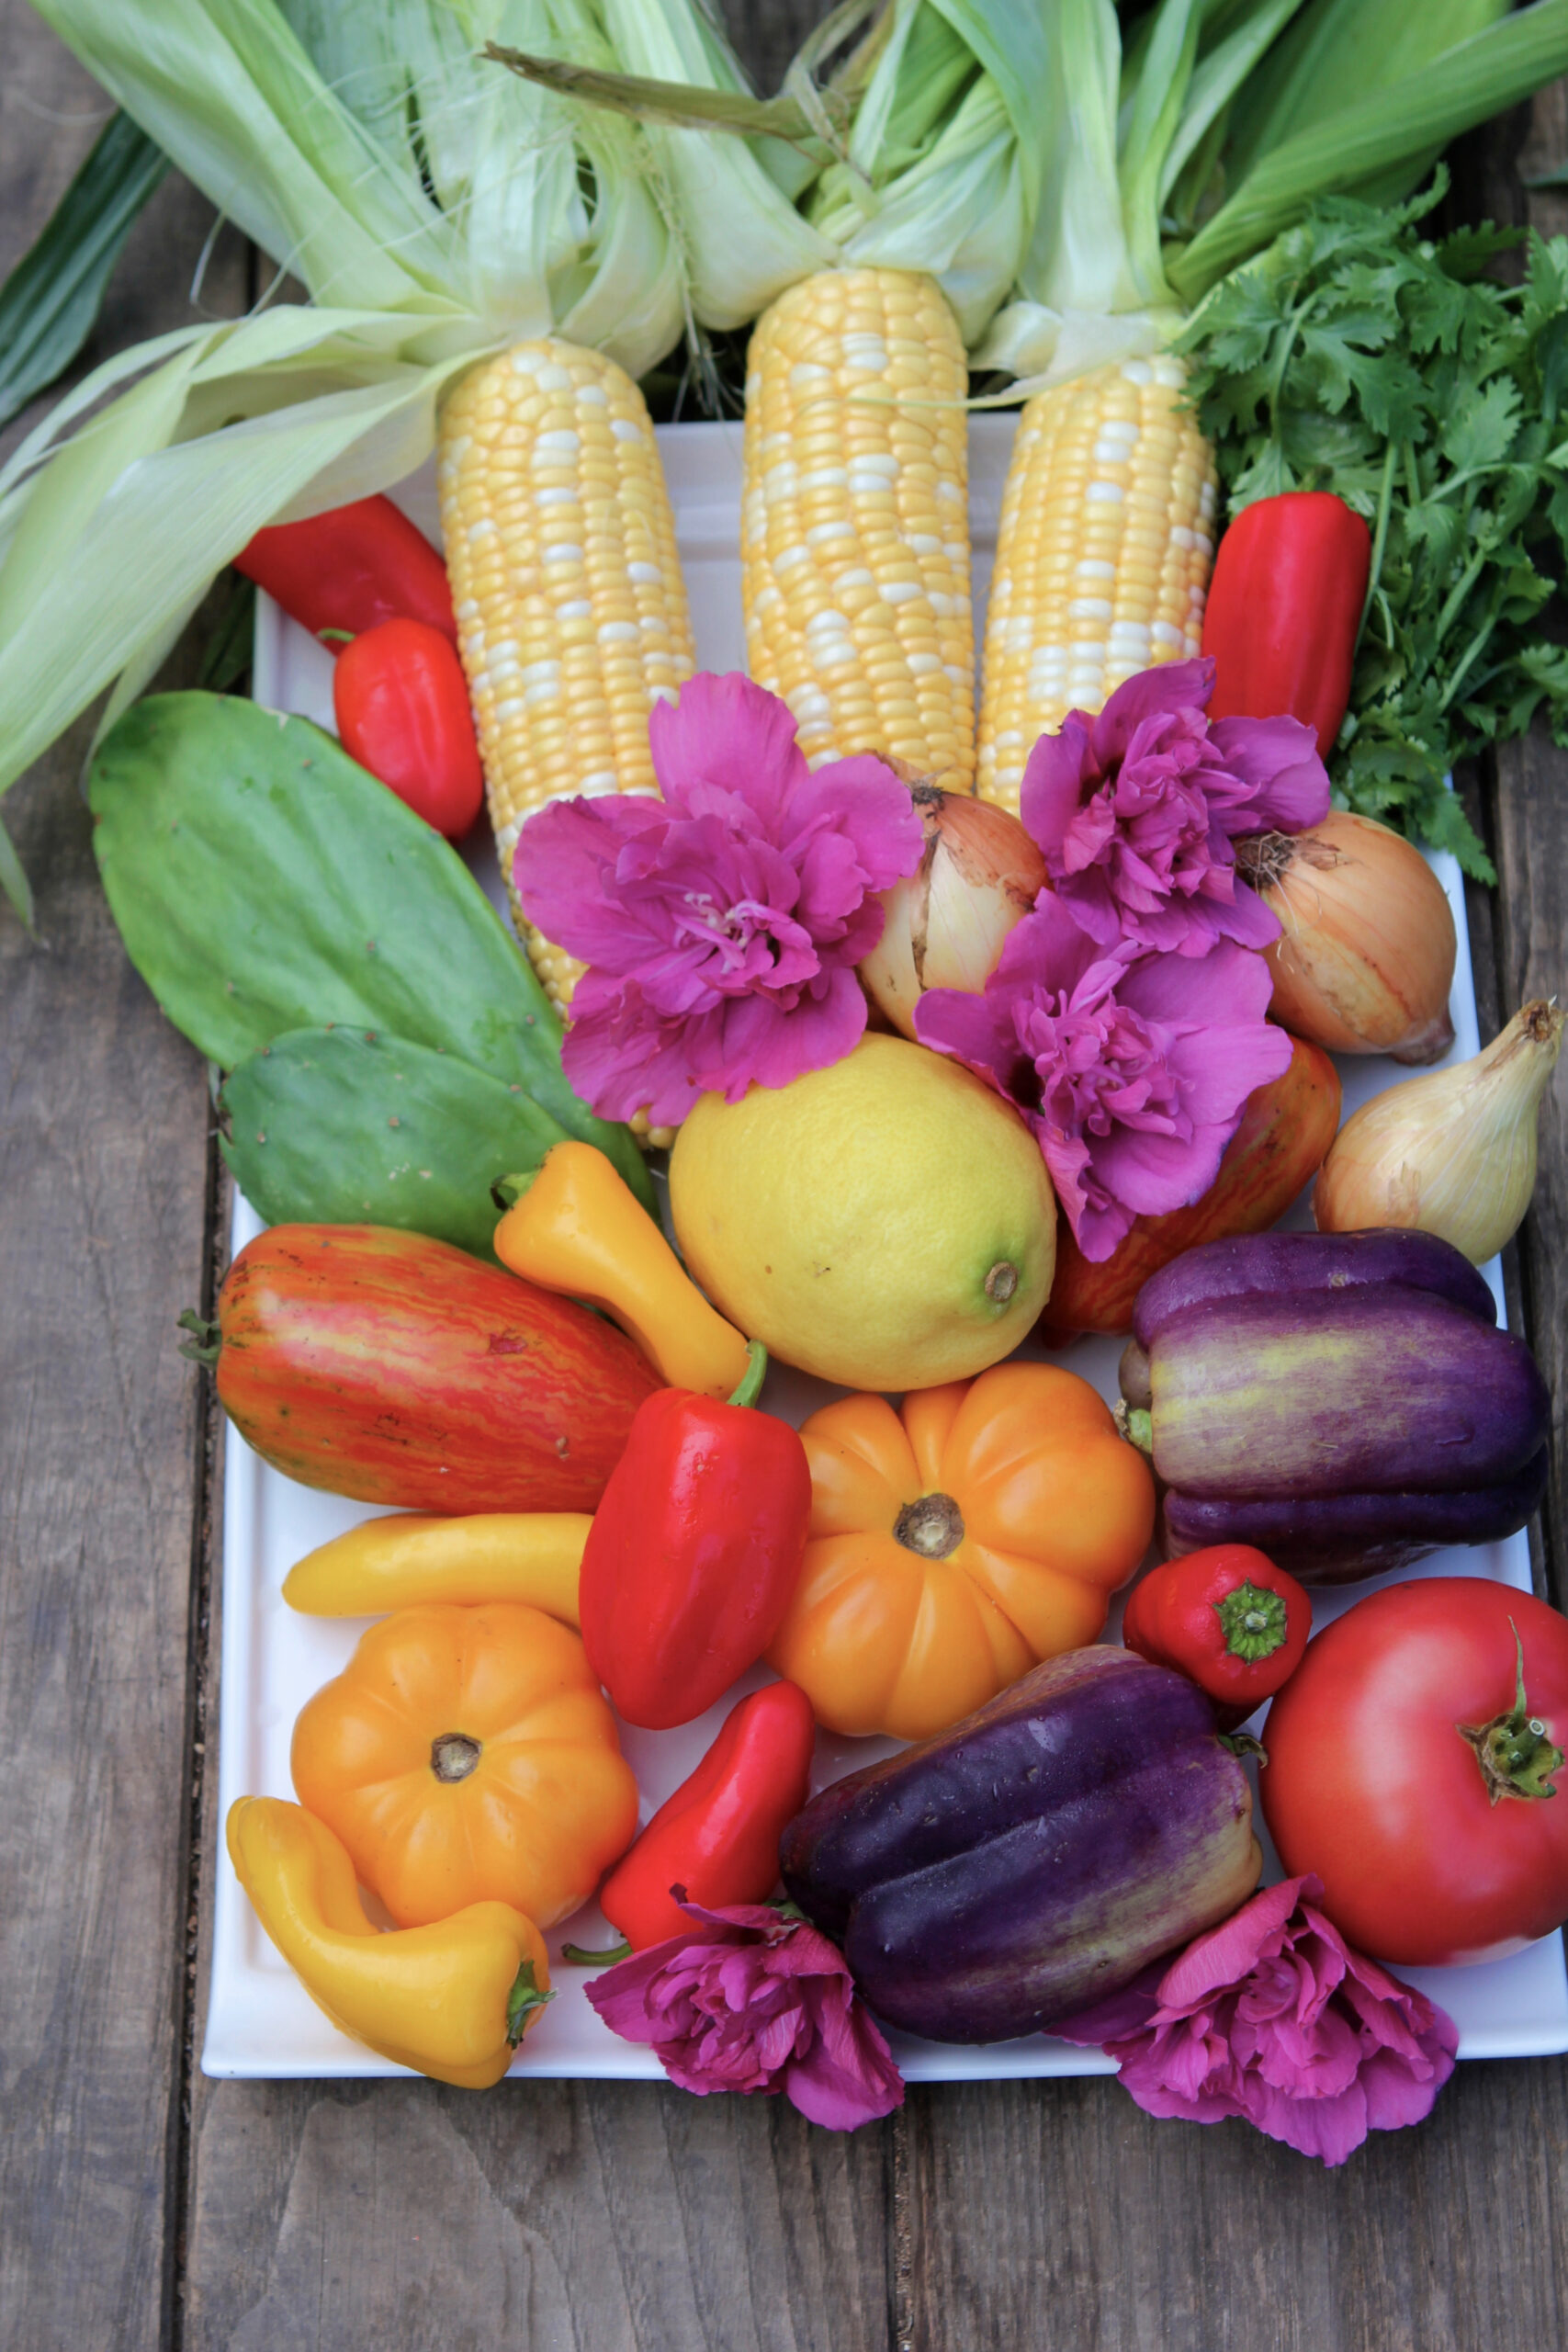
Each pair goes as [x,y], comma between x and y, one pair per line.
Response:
[452,2000]
[576,1226]
[396,1563]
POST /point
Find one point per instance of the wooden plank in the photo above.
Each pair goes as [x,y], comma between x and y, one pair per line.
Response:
[103,1170]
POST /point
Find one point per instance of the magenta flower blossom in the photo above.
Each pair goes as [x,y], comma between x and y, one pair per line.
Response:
[721,925]
[1131,1069]
[751,2000]
[1136,810]
[1271,2016]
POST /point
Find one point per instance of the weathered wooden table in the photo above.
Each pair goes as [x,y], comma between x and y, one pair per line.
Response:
[141,2205]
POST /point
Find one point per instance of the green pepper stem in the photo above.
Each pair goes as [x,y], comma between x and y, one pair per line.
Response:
[522,2001]
[1514,1750]
[1254,1620]
[205,1344]
[507,1191]
[756,1372]
[579,1958]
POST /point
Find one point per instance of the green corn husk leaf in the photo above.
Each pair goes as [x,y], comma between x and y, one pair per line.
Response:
[1336,53]
[49,304]
[341,1126]
[1379,138]
[264,883]
[745,242]
[227,90]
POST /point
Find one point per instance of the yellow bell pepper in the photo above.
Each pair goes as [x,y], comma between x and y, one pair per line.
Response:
[452,2000]
[577,1226]
[396,1562]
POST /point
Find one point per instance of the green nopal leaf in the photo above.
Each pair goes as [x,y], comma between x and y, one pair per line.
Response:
[50,301]
[337,1126]
[262,883]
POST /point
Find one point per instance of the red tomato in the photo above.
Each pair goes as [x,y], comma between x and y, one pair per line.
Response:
[402,711]
[1374,1783]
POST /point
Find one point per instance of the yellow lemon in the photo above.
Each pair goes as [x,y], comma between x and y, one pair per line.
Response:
[887,1223]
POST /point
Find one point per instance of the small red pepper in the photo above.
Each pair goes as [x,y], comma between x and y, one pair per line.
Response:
[718,1835]
[344,571]
[402,711]
[1227,1618]
[693,1551]
[1284,611]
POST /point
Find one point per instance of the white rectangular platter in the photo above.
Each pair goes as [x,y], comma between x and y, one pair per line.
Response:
[260,2020]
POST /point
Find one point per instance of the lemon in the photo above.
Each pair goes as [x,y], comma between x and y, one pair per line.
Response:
[887,1223]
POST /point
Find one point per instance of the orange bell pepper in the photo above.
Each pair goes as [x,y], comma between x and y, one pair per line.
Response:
[468,1756]
[956,1543]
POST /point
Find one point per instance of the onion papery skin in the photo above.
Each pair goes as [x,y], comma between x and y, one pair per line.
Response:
[1453,1153]
[944,926]
[1366,956]
[1286,1127]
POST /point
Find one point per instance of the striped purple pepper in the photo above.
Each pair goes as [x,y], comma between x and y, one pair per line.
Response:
[1344,1401]
[1035,1857]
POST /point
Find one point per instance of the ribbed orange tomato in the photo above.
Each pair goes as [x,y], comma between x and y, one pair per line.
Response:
[468,1756]
[956,1543]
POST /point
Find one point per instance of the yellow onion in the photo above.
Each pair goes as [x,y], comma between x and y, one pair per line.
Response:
[1367,957]
[1453,1154]
[944,926]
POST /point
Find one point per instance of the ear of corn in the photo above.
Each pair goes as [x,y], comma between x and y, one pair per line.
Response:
[572,609]
[1102,555]
[854,520]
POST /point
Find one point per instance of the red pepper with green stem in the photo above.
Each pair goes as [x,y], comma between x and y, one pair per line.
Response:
[1284,611]
[695,1551]
[1225,1617]
[342,572]
[717,1837]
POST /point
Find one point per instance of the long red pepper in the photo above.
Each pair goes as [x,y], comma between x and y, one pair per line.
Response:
[346,569]
[1284,611]
[693,1553]
[1227,1618]
[717,1836]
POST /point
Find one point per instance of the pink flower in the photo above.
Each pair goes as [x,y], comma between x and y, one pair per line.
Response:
[1136,810]
[1271,2016]
[721,925]
[750,2000]
[1131,1069]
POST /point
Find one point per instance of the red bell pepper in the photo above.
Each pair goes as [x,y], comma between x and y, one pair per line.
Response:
[402,711]
[1227,1618]
[1284,611]
[717,1836]
[693,1553]
[350,568]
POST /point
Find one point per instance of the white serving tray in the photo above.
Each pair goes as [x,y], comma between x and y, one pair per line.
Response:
[260,2020]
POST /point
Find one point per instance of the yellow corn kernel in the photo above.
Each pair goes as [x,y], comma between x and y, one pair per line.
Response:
[855,532]
[572,610]
[1102,555]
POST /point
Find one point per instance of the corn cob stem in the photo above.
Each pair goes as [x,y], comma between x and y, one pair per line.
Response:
[854,531]
[572,610]
[1102,555]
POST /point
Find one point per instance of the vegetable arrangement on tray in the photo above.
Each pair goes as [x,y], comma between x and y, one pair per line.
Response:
[961,1026]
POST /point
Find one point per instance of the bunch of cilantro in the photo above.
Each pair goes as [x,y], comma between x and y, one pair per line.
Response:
[1356,356]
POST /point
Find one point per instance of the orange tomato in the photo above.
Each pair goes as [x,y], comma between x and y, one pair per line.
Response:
[956,1543]
[468,1756]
